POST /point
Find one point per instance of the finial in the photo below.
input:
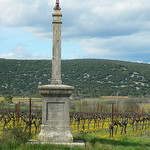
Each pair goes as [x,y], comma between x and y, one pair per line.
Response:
[57,5]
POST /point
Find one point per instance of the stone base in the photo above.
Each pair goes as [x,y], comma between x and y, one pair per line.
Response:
[55,114]
[71,144]
[58,134]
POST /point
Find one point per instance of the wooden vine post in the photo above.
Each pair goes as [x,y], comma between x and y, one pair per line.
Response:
[112,118]
[30,117]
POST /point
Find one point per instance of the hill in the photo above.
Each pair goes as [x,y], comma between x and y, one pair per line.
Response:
[90,77]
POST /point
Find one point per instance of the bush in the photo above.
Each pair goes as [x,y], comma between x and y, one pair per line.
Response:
[8,98]
[15,134]
[130,104]
[13,138]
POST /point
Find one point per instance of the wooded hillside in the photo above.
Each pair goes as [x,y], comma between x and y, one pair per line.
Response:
[90,77]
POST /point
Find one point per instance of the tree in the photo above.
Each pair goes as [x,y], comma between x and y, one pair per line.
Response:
[8,98]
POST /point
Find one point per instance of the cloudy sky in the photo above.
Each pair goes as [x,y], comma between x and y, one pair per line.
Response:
[103,29]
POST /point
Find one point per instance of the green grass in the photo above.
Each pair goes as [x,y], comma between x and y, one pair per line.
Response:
[124,143]
[13,107]
[140,141]
[1,98]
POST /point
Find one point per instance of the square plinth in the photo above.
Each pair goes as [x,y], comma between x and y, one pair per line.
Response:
[55,114]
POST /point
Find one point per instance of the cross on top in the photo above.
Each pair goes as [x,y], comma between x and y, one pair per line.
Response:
[57,5]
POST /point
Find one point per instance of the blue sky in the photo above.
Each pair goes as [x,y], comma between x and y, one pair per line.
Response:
[102,29]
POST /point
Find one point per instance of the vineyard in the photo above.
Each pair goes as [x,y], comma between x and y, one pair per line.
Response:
[107,121]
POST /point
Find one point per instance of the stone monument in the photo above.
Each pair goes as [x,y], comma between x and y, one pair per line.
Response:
[55,115]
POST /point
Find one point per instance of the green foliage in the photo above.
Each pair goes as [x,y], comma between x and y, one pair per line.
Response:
[90,77]
[8,98]
[16,133]
[95,142]
[13,137]
[92,142]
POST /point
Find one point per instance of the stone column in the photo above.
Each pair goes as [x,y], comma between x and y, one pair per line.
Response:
[56,59]
[55,113]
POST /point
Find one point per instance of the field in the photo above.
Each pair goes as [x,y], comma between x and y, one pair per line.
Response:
[102,123]
[93,141]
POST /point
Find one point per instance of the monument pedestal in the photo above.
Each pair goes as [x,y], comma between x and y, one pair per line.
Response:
[55,114]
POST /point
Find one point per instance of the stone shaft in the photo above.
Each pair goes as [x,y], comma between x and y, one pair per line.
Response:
[56,58]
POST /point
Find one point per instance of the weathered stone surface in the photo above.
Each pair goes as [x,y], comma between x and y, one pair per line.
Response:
[56,59]
[55,90]
[55,113]
[55,116]
[70,144]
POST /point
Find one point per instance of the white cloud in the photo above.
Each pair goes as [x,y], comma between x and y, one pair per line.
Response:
[31,16]
[80,18]
[108,18]
[119,47]
[9,55]
[22,13]
[105,28]
[20,51]
[75,57]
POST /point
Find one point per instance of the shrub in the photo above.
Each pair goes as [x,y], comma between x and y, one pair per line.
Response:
[15,135]
[130,104]
[8,98]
